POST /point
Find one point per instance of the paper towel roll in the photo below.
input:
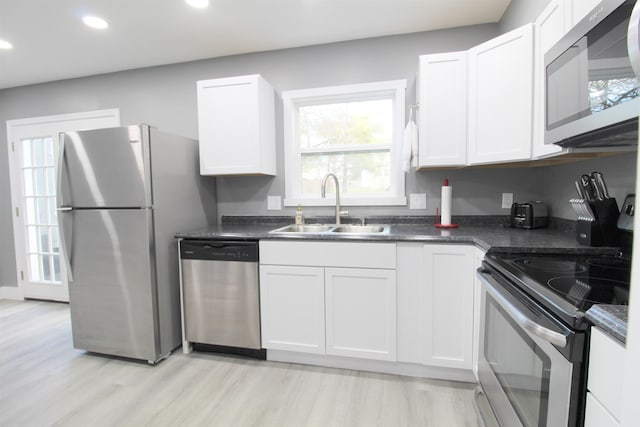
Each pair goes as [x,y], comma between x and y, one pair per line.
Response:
[445,205]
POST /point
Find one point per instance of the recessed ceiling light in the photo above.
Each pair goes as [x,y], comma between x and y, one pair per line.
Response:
[5,45]
[200,4]
[95,22]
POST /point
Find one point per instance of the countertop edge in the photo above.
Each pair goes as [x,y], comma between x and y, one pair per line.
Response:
[612,319]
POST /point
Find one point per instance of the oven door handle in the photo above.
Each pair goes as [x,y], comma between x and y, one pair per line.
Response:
[522,319]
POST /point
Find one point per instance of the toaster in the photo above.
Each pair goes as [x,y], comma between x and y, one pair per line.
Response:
[533,214]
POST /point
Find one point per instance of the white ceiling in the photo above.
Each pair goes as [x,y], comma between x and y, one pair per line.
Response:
[51,42]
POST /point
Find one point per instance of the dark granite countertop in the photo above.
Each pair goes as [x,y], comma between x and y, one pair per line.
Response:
[610,318]
[487,233]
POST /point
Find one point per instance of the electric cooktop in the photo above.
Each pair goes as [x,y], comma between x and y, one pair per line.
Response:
[568,284]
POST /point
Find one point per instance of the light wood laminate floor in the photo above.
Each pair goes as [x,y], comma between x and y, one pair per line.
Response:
[44,381]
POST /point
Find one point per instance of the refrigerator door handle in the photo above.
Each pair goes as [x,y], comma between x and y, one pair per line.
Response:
[66,251]
[60,175]
[62,211]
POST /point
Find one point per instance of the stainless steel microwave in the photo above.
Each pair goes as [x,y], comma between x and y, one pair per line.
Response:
[592,92]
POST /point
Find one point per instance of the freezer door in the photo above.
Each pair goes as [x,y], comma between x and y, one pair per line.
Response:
[105,168]
[112,296]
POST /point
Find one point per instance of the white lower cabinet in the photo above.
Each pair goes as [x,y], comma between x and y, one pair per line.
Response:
[605,381]
[360,309]
[292,308]
[436,304]
[317,305]
[448,284]
[404,307]
[478,256]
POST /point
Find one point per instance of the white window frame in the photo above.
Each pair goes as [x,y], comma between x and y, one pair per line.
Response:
[295,98]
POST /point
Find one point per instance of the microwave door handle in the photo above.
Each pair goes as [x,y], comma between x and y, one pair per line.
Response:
[525,322]
[633,39]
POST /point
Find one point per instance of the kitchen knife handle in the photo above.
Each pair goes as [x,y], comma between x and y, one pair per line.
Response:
[579,190]
[601,184]
[585,180]
[596,189]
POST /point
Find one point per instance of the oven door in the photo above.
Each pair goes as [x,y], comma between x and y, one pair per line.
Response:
[525,378]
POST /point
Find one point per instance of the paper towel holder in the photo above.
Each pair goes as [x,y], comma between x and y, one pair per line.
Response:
[437,224]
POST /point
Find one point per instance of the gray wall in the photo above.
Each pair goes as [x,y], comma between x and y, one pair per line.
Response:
[521,12]
[165,97]
[558,187]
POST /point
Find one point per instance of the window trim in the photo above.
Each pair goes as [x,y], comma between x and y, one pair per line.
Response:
[292,154]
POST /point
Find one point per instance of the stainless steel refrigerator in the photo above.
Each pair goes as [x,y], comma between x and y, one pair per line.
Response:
[123,193]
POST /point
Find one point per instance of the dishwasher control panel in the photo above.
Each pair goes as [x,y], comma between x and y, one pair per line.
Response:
[216,250]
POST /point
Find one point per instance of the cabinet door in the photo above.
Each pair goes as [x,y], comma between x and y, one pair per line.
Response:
[597,415]
[292,308]
[478,256]
[361,313]
[442,96]
[449,294]
[501,98]
[550,26]
[236,126]
[606,371]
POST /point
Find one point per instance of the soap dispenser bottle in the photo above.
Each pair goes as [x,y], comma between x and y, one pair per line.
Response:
[299,216]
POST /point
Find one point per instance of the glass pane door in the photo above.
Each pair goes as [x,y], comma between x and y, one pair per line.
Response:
[40,219]
[33,159]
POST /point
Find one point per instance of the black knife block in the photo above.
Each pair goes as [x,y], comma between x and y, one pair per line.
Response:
[604,230]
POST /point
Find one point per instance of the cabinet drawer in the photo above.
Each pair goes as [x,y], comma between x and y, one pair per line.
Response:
[596,415]
[606,371]
[329,254]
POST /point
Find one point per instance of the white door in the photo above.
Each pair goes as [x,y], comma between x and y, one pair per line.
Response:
[361,313]
[449,277]
[292,308]
[443,109]
[33,148]
[501,98]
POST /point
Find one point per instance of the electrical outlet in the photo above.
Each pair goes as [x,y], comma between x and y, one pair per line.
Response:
[417,201]
[274,203]
[507,200]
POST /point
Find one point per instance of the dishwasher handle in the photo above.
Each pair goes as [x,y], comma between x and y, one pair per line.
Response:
[217,250]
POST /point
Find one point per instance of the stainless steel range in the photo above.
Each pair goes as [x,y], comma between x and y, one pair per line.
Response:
[534,335]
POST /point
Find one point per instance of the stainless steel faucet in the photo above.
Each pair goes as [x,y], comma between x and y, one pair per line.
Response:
[324,194]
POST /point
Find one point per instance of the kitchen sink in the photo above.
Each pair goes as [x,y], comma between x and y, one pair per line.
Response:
[306,228]
[332,228]
[359,229]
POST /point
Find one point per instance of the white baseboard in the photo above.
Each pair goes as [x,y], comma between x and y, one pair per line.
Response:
[395,368]
[11,292]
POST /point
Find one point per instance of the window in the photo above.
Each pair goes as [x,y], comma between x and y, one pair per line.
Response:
[353,131]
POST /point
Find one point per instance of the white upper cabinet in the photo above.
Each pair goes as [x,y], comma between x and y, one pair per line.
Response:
[236,125]
[442,95]
[550,26]
[501,98]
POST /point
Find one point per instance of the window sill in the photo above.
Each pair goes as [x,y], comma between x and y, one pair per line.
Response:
[330,200]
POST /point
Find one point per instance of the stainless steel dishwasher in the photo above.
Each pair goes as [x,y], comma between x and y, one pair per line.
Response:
[221,294]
